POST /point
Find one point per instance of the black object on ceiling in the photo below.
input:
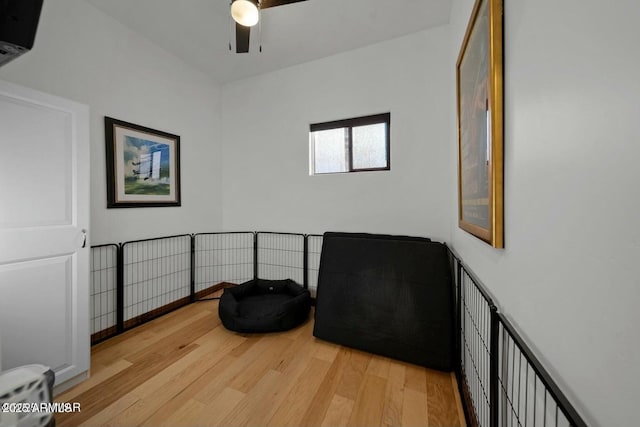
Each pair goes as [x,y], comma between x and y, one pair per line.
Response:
[243,33]
[18,24]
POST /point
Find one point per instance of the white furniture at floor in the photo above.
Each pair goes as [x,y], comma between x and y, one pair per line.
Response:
[24,394]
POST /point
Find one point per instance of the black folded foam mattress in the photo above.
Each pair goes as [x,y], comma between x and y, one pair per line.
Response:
[388,295]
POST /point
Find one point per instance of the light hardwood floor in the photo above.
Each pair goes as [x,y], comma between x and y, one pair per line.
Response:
[186,369]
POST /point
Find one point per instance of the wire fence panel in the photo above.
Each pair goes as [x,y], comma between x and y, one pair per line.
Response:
[527,395]
[314,250]
[281,256]
[157,277]
[103,267]
[503,384]
[476,315]
[223,258]
[475,336]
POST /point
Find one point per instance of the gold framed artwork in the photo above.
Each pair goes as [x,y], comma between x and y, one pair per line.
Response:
[480,125]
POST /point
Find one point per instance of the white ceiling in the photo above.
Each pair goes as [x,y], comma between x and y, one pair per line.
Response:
[199,31]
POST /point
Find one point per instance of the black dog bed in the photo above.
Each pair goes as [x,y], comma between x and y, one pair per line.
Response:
[264,306]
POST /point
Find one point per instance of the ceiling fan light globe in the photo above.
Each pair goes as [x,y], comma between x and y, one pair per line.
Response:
[245,12]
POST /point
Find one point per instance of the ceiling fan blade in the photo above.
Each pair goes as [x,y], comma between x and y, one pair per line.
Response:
[264,4]
[242,38]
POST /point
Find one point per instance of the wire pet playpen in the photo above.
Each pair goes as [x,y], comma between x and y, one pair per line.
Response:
[501,381]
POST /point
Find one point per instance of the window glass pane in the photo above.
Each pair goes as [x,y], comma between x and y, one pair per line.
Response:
[330,154]
[370,146]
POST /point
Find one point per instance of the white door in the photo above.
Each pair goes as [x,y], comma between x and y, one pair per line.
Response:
[44,208]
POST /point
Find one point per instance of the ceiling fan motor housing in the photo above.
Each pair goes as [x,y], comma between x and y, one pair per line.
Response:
[246,13]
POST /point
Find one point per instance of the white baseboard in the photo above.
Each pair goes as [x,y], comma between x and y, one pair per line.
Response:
[72,382]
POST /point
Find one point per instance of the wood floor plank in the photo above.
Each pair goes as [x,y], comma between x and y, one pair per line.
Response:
[379,366]
[165,392]
[392,412]
[147,334]
[189,414]
[94,399]
[186,384]
[438,377]
[145,365]
[293,351]
[338,413]
[292,410]
[291,375]
[353,374]
[304,329]
[203,415]
[441,405]
[220,407]
[175,341]
[210,387]
[244,347]
[459,409]
[185,369]
[94,380]
[191,391]
[107,351]
[241,412]
[248,378]
[104,415]
[325,350]
[368,406]
[323,398]
[415,378]
[414,408]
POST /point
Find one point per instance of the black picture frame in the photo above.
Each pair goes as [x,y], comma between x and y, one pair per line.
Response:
[143,166]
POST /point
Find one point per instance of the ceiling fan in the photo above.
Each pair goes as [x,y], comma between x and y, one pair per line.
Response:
[246,14]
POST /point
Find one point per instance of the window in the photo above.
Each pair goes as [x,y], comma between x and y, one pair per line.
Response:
[351,145]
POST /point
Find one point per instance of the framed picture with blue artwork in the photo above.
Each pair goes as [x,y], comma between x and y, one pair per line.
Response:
[143,166]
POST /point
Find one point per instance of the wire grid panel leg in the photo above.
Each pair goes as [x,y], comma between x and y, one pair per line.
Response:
[223,257]
[314,250]
[157,273]
[103,267]
[523,398]
[281,256]
[476,325]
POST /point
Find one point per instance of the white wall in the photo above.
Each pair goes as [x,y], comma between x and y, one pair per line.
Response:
[568,275]
[82,54]
[266,150]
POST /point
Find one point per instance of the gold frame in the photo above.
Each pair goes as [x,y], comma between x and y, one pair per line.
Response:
[480,147]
